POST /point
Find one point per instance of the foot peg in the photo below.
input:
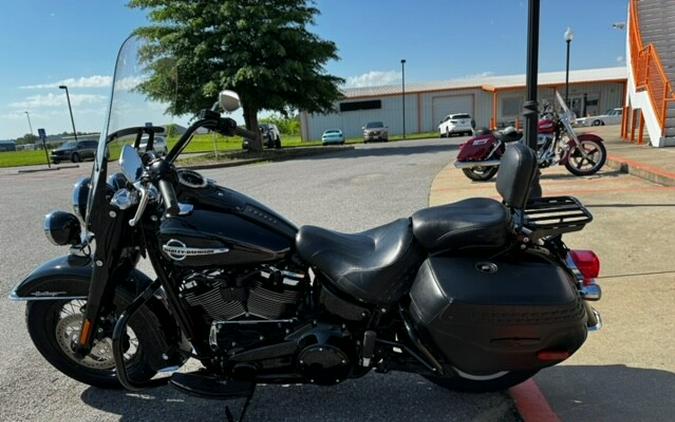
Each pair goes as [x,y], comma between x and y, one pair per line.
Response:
[368,350]
[209,387]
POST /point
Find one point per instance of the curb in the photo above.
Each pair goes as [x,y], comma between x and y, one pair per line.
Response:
[531,403]
[274,157]
[645,171]
[48,169]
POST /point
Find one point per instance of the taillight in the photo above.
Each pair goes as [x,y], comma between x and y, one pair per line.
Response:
[588,264]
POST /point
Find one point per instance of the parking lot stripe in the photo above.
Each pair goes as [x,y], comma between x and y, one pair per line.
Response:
[531,403]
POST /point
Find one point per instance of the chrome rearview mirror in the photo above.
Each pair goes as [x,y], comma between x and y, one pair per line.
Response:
[131,164]
[229,100]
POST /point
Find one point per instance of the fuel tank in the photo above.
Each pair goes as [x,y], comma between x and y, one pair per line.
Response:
[224,227]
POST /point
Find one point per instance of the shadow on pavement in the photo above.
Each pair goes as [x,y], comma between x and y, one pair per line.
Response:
[569,176]
[609,393]
[376,397]
[626,205]
[388,150]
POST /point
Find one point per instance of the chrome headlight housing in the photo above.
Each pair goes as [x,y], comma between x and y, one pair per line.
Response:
[80,194]
[62,228]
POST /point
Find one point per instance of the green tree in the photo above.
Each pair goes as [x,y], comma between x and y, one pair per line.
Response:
[28,138]
[261,49]
[286,125]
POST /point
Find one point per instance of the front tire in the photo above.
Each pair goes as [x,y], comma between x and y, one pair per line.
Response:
[49,322]
[467,383]
[576,163]
[480,174]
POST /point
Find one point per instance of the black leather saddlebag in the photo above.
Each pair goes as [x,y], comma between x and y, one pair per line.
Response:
[486,316]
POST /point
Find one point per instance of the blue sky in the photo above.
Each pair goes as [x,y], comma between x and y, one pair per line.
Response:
[46,42]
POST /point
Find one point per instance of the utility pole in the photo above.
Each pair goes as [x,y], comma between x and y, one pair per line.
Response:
[569,36]
[30,126]
[403,92]
[70,109]
[531,113]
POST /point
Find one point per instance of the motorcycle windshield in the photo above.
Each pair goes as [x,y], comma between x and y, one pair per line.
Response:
[129,106]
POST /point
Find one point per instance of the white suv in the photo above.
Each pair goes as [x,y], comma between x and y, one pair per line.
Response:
[456,124]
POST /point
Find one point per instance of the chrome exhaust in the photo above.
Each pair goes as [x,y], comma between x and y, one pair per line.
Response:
[470,164]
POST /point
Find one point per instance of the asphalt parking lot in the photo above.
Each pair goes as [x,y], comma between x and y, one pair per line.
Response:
[349,191]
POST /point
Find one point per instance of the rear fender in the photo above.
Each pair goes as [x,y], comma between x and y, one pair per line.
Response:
[478,148]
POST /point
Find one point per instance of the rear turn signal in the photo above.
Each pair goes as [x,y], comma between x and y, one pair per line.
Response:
[588,264]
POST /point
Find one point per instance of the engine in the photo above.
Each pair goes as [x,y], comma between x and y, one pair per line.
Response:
[263,292]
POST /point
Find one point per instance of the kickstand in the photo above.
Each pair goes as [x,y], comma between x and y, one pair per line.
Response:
[228,413]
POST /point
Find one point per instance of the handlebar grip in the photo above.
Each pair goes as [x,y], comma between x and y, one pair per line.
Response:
[245,133]
[169,196]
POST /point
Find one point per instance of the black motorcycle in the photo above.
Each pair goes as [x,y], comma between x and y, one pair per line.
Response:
[478,295]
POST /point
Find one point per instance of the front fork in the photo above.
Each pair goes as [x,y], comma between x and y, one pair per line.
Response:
[107,267]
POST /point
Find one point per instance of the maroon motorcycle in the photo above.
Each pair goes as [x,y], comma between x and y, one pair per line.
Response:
[557,143]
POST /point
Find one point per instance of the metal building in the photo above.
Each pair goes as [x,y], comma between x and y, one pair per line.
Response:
[493,101]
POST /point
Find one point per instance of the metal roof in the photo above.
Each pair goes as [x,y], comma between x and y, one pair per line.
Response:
[498,82]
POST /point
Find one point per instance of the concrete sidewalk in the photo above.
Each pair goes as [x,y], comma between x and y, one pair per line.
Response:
[625,372]
[654,164]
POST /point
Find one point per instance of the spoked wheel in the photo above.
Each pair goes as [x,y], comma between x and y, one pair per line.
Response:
[54,327]
[468,383]
[587,158]
[480,174]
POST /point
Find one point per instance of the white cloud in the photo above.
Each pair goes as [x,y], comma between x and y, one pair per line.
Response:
[53,100]
[479,75]
[373,78]
[621,59]
[94,81]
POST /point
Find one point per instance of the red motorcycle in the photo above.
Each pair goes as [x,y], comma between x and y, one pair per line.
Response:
[557,143]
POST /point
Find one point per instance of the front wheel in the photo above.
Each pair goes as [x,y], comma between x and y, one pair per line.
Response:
[595,158]
[54,326]
[480,174]
[469,383]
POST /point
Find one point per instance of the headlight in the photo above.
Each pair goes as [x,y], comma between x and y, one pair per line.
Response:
[62,228]
[80,194]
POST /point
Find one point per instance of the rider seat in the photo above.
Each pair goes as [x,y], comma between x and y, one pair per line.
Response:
[375,266]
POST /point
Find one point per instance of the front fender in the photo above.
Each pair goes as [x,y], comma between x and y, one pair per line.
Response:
[589,137]
[68,277]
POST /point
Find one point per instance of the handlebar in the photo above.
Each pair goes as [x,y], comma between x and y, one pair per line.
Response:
[169,196]
[244,133]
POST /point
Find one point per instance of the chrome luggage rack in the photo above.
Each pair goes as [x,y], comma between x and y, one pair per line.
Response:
[554,215]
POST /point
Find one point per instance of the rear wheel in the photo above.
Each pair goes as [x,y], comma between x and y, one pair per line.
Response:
[595,158]
[480,174]
[75,158]
[469,383]
[54,327]
[597,123]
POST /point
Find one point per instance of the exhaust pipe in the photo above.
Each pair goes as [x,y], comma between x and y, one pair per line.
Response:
[470,164]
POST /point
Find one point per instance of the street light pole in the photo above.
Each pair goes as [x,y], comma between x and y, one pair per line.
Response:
[403,92]
[70,109]
[30,126]
[531,113]
[569,36]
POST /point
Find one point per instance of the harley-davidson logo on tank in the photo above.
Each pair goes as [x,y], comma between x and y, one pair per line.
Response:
[178,251]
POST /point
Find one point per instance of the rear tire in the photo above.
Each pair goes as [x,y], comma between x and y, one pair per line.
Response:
[597,123]
[480,174]
[43,319]
[486,385]
[75,158]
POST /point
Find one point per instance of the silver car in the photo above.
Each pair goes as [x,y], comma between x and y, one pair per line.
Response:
[375,131]
[612,117]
